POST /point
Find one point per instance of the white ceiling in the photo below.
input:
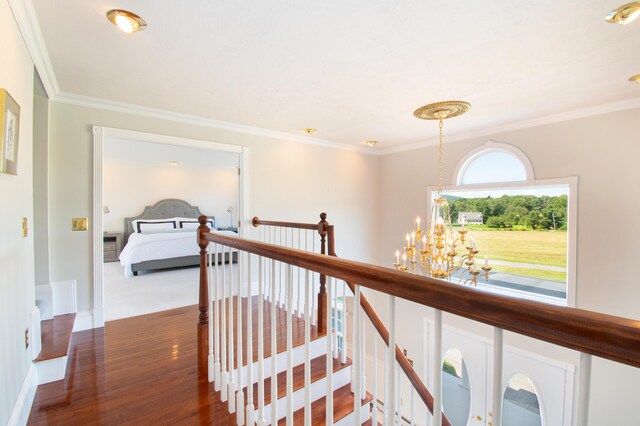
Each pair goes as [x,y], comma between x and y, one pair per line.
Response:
[356,70]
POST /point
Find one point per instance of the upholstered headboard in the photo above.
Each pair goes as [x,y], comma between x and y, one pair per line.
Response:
[163,209]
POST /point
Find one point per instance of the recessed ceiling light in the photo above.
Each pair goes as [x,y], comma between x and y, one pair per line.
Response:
[635,79]
[127,21]
[624,14]
[371,143]
[310,130]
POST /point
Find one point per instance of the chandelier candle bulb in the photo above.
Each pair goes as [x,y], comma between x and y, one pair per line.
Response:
[413,238]
[404,260]
[408,241]
[486,260]
[418,223]
[397,257]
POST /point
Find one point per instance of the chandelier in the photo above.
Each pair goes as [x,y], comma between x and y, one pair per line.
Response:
[433,252]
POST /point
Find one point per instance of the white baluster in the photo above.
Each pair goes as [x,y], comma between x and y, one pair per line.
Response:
[314,317]
[498,351]
[216,319]
[357,341]
[344,323]
[413,412]
[329,370]
[363,355]
[283,242]
[390,394]
[261,282]
[385,375]
[581,409]
[307,353]
[437,371]
[333,305]
[250,406]
[274,349]
[290,314]
[239,333]
[375,376]
[232,369]
[224,375]
[299,309]
[399,394]
[212,313]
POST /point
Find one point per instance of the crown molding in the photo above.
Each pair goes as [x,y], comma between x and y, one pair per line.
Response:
[160,114]
[27,20]
[525,124]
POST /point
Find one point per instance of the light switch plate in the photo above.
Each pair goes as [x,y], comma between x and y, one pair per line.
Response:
[25,227]
[79,224]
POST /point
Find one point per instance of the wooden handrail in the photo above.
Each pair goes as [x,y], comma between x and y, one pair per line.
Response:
[257,222]
[606,336]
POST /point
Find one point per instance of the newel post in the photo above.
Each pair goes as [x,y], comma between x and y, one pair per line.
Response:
[322,295]
[203,334]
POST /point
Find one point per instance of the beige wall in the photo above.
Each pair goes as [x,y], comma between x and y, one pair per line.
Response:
[16,253]
[603,152]
[40,181]
[288,181]
[128,188]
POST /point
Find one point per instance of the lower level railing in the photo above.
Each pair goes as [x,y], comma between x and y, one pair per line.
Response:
[277,285]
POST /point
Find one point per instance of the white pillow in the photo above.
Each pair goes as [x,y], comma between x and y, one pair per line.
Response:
[191,223]
[155,227]
[134,223]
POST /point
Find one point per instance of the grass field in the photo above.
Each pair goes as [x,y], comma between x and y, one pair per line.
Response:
[535,247]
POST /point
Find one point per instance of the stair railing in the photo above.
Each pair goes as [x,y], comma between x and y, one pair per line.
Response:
[591,333]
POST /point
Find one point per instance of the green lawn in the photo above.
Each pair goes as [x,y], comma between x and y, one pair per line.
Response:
[533,273]
[537,247]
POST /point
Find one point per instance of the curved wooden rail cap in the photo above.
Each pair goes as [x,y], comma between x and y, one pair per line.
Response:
[255,221]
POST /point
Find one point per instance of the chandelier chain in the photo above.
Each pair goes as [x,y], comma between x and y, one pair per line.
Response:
[440,161]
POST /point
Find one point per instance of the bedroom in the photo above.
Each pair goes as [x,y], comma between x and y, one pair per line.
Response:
[152,195]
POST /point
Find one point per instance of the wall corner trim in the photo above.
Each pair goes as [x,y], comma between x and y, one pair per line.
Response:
[22,407]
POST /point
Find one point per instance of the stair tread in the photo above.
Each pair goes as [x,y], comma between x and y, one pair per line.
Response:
[56,336]
[318,372]
[297,329]
[342,407]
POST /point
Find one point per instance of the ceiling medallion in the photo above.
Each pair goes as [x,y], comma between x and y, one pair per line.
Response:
[371,143]
[127,21]
[309,130]
[442,110]
[635,79]
[624,14]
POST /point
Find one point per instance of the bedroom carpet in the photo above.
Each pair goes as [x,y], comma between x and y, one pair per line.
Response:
[149,292]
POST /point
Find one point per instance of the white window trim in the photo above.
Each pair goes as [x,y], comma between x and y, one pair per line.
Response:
[483,149]
[572,228]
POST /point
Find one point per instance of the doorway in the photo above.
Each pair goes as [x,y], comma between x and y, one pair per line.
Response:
[135,171]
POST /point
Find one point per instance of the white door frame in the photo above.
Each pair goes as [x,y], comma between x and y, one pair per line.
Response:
[100,133]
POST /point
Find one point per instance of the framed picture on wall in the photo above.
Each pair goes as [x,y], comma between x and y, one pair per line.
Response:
[9,132]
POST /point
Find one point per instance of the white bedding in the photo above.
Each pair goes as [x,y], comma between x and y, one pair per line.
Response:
[166,245]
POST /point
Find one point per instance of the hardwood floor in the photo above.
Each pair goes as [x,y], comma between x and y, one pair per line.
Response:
[141,371]
[56,334]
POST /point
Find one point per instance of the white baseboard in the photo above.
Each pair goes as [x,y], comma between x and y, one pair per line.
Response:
[86,320]
[22,407]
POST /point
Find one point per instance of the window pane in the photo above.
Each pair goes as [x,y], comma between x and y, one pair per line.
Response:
[520,404]
[494,166]
[523,233]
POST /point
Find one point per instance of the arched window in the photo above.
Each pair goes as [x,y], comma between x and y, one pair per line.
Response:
[525,228]
[494,163]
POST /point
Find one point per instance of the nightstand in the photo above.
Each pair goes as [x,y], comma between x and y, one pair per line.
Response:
[112,242]
[228,228]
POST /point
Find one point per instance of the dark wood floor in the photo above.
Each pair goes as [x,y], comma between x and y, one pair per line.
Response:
[140,371]
[56,334]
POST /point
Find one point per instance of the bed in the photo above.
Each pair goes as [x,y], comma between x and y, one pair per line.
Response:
[164,236]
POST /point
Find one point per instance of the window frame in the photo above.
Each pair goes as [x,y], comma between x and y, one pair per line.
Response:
[572,209]
[486,148]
